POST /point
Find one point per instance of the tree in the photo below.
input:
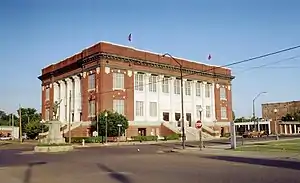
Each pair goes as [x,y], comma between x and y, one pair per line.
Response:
[113,119]
[33,129]
[29,115]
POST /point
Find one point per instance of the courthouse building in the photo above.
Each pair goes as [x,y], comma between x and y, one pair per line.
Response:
[141,85]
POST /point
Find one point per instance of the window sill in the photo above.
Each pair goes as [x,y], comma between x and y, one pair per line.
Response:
[91,89]
[223,99]
[123,89]
[224,118]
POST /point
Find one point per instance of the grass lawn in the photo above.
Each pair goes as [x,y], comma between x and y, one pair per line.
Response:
[276,146]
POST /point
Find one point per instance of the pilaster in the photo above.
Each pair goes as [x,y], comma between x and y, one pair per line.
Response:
[62,105]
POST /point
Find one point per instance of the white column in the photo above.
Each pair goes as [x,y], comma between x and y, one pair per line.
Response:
[212,100]
[269,127]
[159,90]
[203,105]
[295,129]
[68,89]
[77,99]
[172,96]
[194,113]
[62,87]
[285,129]
[290,126]
[146,91]
[55,92]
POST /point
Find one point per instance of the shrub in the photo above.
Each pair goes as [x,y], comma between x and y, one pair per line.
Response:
[86,139]
[144,138]
[174,136]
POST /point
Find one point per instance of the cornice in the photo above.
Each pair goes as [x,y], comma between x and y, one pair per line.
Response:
[97,56]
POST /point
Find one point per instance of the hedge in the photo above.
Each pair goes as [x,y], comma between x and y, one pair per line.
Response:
[172,137]
[86,139]
[144,138]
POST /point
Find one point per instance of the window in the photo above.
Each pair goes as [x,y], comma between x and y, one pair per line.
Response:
[139,82]
[47,115]
[118,80]
[177,86]
[165,85]
[152,83]
[207,111]
[92,81]
[198,107]
[177,118]
[207,90]
[222,93]
[189,118]
[47,93]
[166,116]
[198,88]
[223,113]
[153,109]
[118,106]
[188,88]
[139,111]
[92,111]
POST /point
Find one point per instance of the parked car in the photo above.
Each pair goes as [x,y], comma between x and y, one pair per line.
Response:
[253,134]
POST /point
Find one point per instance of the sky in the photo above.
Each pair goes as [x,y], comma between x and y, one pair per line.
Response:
[37,33]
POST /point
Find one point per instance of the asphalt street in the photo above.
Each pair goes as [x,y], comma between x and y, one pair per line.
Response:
[125,164]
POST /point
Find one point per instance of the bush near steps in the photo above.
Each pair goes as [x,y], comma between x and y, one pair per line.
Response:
[114,139]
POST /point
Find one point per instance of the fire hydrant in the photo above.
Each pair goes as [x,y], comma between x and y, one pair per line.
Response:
[83,142]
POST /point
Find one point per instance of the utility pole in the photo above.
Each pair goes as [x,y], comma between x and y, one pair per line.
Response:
[97,115]
[70,115]
[20,124]
[13,126]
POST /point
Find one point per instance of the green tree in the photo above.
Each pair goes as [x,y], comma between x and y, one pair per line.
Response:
[29,115]
[33,128]
[113,119]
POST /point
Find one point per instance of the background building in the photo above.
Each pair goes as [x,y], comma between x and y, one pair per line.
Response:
[287,116]
[141,85]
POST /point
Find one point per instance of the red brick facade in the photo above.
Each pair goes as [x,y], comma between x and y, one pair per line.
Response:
[123,59]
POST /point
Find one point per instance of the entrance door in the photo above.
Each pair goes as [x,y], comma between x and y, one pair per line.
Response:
[142,131]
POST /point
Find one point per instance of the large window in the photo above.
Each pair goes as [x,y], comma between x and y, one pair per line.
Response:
[165,85]
[198,88]
[139,108]
[188,88]
[222,93]
[177,86]
[118,80]
[118,106]
[207,90]
[223,113]
[189,118]
[198,107]
[152,83]
[92,81]
[153,109]
[47,93]
[139,82]
[166,116]
[92,108]
[207,112]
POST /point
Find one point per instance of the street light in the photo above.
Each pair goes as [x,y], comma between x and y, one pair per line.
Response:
[200,130]
[119,132]
[105,127]
[181,92]
[253,108]
[276,132]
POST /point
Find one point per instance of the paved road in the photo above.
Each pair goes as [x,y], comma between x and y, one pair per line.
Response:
[125,164]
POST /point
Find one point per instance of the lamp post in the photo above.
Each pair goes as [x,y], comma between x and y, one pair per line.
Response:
[276,131]
[253,108]
[42,122]
[105,127]
[200,130]
[181,92]
[119,133]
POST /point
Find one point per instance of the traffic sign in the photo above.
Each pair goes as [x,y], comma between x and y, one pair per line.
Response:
[198,124]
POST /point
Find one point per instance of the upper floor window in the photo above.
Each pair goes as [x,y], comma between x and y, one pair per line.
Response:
[92,81]
[118,80]
[152,83]
[92,108]
[153,109]
[188,88]
[139,81]
[198,88]
[223,93]
[47,93]
[198,107]
[177,86]
[165,85]
[207,90]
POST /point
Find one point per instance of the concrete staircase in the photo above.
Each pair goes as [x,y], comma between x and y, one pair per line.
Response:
[192,134]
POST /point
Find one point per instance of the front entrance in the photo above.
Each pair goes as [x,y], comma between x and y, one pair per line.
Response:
[142,131]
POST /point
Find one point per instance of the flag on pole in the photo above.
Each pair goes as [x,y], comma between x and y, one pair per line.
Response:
[129,37]
[209,57]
